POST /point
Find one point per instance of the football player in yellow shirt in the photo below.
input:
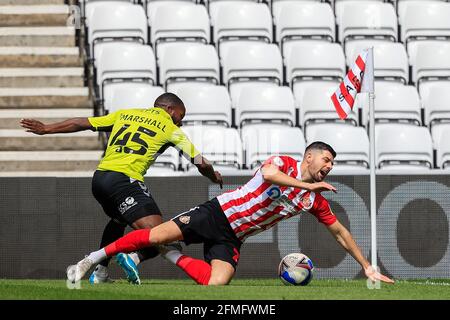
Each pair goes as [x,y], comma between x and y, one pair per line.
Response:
[137,137]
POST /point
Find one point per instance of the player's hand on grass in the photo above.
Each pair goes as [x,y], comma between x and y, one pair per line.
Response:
[374,275]
[218,179]
[33,126]
[318,187]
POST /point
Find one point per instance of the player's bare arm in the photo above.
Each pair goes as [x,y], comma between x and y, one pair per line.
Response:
[272,174]
[345,239]
[67,126]
[206,169]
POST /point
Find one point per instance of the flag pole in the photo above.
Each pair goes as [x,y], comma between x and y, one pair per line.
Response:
[373,182]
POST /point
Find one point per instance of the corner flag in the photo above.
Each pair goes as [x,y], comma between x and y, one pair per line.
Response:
[358,79]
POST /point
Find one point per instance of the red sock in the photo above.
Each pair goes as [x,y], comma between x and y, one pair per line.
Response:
[198,270]
[130,242]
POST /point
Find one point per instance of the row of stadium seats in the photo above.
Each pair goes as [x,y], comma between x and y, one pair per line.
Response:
[243,78]
[308,60]
[288,21]
[398,146]
[210,104]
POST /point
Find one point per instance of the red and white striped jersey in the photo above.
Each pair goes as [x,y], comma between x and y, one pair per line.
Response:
[259,205]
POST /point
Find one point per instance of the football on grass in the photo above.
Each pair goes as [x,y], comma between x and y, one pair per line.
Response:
[296,269]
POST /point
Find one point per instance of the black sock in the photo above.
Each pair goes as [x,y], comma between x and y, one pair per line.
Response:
[112,232]
[147,253]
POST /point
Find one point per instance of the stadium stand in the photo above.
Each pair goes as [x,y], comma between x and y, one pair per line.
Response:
[351,143]
[125,61]
[206,104]
[441,137]
[233,63]
[116,21]
[222,146]
[270,104]
[361,19]
[241,20]
[300,20]
[395,102]
[314,106]
[436,104]
[188,62]
[260,141]
[181,22]
[403,147]
[130,95]
[432,62]
[42,76]
[390,58]
[309,60]
[422,22]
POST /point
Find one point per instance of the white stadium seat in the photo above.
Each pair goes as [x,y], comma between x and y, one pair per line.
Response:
[264,140]
[188,62]
[166,163]
[298,20]
[117,21]
[315,106]
[302,88]
[221,146]
[437,105]
[441,137]
[125,62]
[88,6]
[341,5]
[350,143]
[424,19]
[314,59]
[130,96]
[242,20]
[269,104]
[390,58]
[205,103]
[421,22]
[215,5]
[361,19]
[152,6]
[403,146]
[251,61]
[394,102]
[236,88]
[432,62]
[181,21]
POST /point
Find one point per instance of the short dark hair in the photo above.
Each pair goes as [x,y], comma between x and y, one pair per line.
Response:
[319,145]
[168,99]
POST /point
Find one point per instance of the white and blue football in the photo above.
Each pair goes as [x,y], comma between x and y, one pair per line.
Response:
[296,269]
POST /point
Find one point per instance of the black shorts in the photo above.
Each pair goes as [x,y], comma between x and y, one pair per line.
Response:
[208,224]
[122,198]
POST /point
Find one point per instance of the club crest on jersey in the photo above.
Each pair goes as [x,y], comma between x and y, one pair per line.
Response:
[274,193]
[185,219]
[278,161]
[306,201]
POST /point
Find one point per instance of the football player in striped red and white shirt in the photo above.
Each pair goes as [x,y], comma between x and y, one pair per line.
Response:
[280,189]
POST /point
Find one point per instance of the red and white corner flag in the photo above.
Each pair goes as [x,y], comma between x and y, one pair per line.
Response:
[358,79]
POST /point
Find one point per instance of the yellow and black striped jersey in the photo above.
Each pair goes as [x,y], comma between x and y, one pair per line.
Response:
[138,136]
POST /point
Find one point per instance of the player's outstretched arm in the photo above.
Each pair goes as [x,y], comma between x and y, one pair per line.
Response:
[272,174]
[206,169]
[345,239]
[67,126]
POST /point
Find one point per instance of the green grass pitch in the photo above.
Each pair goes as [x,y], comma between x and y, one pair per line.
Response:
[245,289]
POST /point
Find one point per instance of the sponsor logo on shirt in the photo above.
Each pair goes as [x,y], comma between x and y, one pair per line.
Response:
[127,204]
[185,219]
[274,193]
